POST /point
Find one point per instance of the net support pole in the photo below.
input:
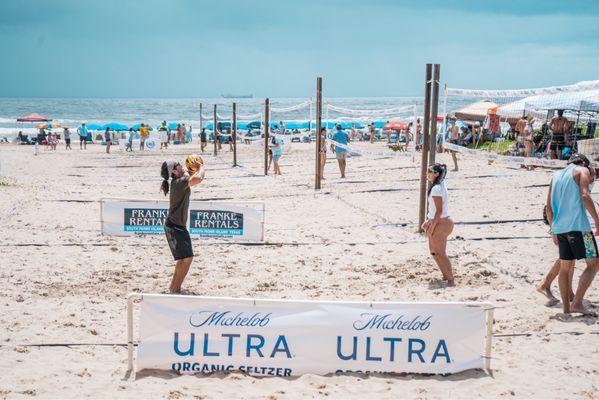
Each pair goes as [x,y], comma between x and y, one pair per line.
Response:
[215,130]
[434,110]
[317,176]
[234,130]
[444,112]
[266,133]
[489,340]
[414,127]
[201,119]
[425,144]
[310,119]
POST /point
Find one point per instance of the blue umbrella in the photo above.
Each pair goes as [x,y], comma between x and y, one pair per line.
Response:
[330,125]
[137,126]
[242,126]
[379,124]
[172,125]
[115,126]
[296,125]
[94,127]
[254,125]
[210,126]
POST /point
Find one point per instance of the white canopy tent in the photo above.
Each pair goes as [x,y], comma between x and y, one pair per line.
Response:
[537,106]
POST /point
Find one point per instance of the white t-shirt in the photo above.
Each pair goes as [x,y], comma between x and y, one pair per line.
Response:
[439,190]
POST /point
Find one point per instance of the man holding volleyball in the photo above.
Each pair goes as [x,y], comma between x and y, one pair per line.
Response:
[178,182]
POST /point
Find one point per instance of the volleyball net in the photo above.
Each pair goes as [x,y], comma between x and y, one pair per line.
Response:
[547,123]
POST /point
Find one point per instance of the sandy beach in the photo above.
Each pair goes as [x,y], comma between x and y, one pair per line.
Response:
[64,283]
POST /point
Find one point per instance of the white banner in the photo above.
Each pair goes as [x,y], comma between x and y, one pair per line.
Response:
[540,162]
[190,334]
[239,222]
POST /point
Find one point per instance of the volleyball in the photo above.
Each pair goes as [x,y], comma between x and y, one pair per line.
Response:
[192,163]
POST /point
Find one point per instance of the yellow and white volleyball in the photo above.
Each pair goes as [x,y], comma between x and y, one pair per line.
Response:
[192,163]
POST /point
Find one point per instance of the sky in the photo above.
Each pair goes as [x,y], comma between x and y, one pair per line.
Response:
[277,48]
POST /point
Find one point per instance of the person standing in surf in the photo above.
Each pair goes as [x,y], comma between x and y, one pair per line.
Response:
[177,183]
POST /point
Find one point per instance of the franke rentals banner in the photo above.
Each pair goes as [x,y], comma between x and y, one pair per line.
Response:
[190,335]
[244,222]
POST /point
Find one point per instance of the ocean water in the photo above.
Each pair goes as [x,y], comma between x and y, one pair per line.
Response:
[71,112]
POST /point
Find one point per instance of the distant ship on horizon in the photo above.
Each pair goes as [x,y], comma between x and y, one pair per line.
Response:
[237,96]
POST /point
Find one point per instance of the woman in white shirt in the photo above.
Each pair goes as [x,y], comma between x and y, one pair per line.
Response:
[438,226]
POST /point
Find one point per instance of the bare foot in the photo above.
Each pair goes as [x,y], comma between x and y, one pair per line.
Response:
[552,300]
[582,310]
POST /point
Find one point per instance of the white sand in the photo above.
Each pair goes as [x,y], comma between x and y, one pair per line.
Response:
[62,282]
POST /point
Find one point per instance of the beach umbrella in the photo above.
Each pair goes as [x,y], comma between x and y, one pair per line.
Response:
[210,126]
[94,127]
[242,126]
[395,126]
[33,117]
[379,124]
[330,125]
[296,125]
[254,125]
[173,125]
[136,127]
[348,124]
[49,125]
[114,126]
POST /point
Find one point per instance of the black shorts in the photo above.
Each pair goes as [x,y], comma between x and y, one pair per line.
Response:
[67,141]
[82,138]
[179,241]
[577,245]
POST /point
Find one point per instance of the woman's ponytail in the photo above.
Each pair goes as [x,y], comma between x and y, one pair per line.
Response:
[441,170]
[165,175]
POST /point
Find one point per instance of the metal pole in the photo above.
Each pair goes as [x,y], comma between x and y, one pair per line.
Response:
[215,130]
[266,133]
[444,111]
[201,119]
[317,176]
[130,332]
[423,164]
[235,134]
[434,110]
[489,340]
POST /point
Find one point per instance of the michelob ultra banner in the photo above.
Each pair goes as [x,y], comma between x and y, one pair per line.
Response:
[189,334]
[244,222]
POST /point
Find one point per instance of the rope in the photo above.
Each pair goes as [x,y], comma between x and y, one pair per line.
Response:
[495,335]
[292,108]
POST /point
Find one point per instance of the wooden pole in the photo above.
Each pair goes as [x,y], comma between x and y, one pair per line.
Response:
[425,144]
[215,130]
[235,134]
[317,175]
[266,133]
[434,111]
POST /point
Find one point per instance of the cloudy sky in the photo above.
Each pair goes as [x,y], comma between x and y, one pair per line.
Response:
[276,48]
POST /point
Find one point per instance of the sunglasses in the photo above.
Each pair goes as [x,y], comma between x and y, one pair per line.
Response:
[431,170]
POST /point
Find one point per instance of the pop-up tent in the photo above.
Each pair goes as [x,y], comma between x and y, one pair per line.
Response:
[395,126]
[476,111]
[33,117]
